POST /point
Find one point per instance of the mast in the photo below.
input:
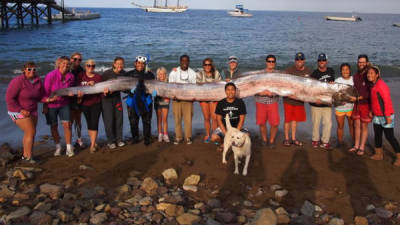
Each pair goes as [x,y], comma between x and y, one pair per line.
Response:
[166,3]
[155,4]
[177,4]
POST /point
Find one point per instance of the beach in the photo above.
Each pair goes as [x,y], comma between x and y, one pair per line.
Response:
[342,184]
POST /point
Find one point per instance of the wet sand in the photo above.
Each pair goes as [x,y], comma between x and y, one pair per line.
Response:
[340,182]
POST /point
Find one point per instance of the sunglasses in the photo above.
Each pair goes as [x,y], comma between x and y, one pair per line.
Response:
[31,69]
[270,61]
[207,64]
[77,59]
[321,60]
[88,65]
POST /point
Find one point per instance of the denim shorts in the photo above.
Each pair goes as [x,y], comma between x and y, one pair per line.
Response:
[63,112]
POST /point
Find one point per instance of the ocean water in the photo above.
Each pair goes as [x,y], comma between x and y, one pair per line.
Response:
[204,33]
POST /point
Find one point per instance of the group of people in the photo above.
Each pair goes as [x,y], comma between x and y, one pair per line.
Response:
[373,104]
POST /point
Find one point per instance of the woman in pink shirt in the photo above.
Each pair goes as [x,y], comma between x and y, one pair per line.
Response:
[22,96]
[54,80]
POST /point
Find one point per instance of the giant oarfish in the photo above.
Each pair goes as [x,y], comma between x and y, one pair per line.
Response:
[249,84]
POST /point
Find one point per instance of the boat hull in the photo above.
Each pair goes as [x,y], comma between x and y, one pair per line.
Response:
[238,14]
[165,10]
[346,19]
[78,16]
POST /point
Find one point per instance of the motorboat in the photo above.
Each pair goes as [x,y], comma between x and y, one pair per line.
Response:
[240,12]
[347,19]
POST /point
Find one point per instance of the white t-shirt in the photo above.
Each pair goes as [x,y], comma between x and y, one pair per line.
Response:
[348,106]
[180,76]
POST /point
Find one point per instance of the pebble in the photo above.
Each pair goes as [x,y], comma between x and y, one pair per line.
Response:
[359,220]
[188,219]
[370,207]
[383,213]
[53,191]
[214,203]
[280,193]
[146,201]
[98,218]
[265,216]
[21,212]
[336,221]
[307,208]
[247,203]
[192,180]
[191,188]
[170,175]
[149,186]
[275,187]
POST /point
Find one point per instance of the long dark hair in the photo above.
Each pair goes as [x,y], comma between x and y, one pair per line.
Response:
[212,66]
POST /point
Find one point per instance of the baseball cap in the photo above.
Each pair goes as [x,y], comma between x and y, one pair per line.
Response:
[322,57]
[299,56]
[232,59]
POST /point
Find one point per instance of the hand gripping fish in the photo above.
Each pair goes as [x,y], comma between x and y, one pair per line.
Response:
[249,84]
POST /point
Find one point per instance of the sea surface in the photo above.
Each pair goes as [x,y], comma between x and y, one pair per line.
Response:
[204,33]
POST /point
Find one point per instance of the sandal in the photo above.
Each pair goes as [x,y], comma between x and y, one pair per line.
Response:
[207,140]
[297,143]
[353,149]
[286,143]
[360,152]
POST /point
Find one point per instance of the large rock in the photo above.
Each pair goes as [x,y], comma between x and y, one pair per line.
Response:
[53,191]
[149,186]
[264,217]
[21,212]
[192,180]
[188,219]
[191,188]
[98,218]
[169,175]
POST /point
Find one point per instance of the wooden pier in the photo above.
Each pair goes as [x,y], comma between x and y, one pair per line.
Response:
[20,12]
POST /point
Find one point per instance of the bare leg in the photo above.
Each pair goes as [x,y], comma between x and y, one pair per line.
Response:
[364,135]
[205,108]
[294,127]
[165,119]
[273,132]
[55,134]
[263,132]
[340,126]
[67,132]
[93,137]
[28,126]
[159,120]
[351,127]
[357,133]
[286,128]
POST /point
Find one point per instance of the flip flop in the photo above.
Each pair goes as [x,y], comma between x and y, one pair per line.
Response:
[286,143]
[207,140]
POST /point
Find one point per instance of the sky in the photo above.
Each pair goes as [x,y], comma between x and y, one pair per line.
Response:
[361,6]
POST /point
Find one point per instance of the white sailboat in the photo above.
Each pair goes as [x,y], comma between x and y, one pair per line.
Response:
[239,12]
[163,8]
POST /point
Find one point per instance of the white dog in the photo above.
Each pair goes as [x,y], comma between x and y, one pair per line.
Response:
[240,143]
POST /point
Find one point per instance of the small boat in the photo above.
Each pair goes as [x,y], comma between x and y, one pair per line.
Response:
[163,8]
[347,19]
[396,24]
[76,15]
[240,12]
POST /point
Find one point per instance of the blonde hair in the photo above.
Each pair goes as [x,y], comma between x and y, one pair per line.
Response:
[159,70]
[90,60]
[60,59]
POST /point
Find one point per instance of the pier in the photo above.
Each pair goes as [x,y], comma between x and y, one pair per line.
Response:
[20,12]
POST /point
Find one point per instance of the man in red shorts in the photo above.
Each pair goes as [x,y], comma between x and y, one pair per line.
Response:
[294,109]
[361,108]
[267,108]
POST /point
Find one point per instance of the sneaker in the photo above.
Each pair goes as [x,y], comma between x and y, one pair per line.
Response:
[189,141]
[177,141]
[325,146]
[70,152]
[58,151]
[165,138]
[315,144]
[121,144]
[29,160]
[160,137]
[111,146]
